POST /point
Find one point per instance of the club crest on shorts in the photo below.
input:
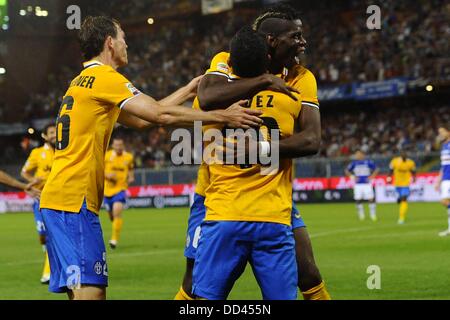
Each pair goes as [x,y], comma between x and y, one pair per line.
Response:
[98,267]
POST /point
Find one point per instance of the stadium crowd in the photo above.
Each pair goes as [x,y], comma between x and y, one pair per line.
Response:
[340,50]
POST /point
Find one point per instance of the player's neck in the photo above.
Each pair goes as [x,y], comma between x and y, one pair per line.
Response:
[276,69]
[49,145]
[106,58]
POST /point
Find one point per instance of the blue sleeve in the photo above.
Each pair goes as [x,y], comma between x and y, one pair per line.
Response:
[372,166]
[350,167]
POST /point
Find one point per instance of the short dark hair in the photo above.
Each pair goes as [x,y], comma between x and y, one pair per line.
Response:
[281,11]
[249,53]
[118,137]
[93,33]
[48,126]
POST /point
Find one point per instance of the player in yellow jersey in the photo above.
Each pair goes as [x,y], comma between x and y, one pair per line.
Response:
[119,172]
[403,170]
[36,170]
[216,89]
[96,99]
[29,188]
[248,213]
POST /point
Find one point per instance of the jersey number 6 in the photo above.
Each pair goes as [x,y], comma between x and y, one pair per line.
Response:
[63,124]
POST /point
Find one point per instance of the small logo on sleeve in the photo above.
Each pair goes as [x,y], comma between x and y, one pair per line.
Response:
[132,89]
[223,67]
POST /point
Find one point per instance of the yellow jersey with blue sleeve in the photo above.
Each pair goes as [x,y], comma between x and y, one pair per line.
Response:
[244,194]
[40,162]
[402,170]
[86,119]
[119,166]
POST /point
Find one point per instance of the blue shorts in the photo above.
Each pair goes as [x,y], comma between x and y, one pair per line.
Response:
[38,218]
[118,197]
[224,249]
[197,214]
[76,250]
[402,192]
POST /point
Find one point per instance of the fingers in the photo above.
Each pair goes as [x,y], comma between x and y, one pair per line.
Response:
[289,93]
[293,89]
[253,112]
[252,121]
[241,103]
[198,79]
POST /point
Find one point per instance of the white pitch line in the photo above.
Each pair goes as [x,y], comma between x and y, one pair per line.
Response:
[373,227]
[328,233]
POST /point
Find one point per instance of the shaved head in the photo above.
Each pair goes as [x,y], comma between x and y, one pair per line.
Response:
[276,26]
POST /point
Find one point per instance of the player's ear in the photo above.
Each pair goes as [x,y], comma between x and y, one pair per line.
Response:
[109,42]
[44,136]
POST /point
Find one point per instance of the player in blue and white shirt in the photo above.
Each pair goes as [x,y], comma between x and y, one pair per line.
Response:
[444,175]
[362,171]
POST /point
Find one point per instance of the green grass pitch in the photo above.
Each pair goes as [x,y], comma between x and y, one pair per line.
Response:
[149,263]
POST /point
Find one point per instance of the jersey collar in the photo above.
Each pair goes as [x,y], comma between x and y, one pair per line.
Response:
[91,63]
[47,146]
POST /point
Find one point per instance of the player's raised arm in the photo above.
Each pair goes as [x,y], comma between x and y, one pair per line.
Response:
[217,89]
[183,94]
[180,96]
[146,108]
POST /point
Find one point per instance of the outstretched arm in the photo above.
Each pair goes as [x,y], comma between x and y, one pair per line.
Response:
[10,181]
[216,91]
[146,108]
[183,94]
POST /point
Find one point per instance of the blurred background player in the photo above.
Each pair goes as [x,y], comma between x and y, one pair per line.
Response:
[362,170]
[119,173]
[444,175]
[402,172]
[36,170]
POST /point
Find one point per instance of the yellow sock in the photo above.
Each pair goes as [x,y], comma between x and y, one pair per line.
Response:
[318,292]
[46,271]
[116,228]
[182,295]
[403,210]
